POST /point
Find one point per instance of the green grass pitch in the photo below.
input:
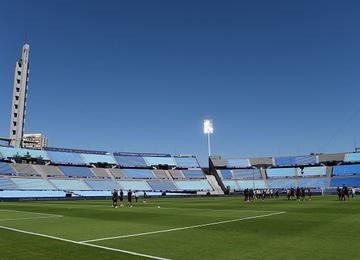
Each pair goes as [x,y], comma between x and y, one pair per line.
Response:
[182,228]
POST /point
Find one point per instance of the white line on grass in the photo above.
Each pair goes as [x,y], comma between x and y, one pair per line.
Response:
[31,212]
[83,243]
[184,228]
[12,219]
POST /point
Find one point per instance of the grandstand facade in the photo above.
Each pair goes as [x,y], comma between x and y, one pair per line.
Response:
[56,173]
[322,171]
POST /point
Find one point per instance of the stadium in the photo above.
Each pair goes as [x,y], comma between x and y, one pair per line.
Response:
[78,203]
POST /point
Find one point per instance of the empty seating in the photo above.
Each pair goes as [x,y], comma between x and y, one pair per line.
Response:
[73,171]
[7,184]
[348,181]
[238,163]
[154,161]
[295,160]
[251,184]
[198,185]
[162,185]
[100,172]
[70,185]
[32,194]
[176,174]
[281,172]
[25,169]
[313,182]
[102,184]
[139,173]
[6,169]
[346,169]
[282,183]
[117,173]
[130,161]
[193,174]
[11,152]
[231,184]
[186,162]
[65,158]
[135,185]
[247,174]
[312,171]
[49,170]
[160,174]
[98,158]
[226,174]
[32,184]
[352,157]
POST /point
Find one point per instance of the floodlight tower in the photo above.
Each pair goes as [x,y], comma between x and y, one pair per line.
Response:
[208,130]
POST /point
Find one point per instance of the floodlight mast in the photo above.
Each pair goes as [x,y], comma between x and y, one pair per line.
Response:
[208,130]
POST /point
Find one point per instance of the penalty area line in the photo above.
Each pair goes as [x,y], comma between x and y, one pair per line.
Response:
[184,228]
[31,212]
[83,243]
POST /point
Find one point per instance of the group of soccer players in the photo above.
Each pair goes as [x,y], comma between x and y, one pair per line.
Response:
[344,193]
[120,196]
[298,194]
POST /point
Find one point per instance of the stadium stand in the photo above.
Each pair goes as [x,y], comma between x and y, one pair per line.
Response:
[193,174]
[6,169]
[154,161]
[238,163]
[246,173]
[25,170]
[74,171]
[32,184]
[69,185]
[48,170]
[129,160]
[162,185]
[10,152]
[135,185]
[251,184]
[348,181]
[160,174]
[65,158]
[313,182]
[186,162]
[353,169]
[106,185]
[7,184]
[176,174]
[198,185]
[100,172]
[352,157]
[98,158]
[139,173]
[117,173]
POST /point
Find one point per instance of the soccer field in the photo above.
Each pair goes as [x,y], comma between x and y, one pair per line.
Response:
[181,228]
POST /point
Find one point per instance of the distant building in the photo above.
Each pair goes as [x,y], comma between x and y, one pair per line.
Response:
[20,89]
[34,141]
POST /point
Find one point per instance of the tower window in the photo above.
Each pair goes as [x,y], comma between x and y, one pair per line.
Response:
[17,98]
[19,73]
[18,81]
[14,123]
[14,132]
[16,106]
[15,114]
[17,89]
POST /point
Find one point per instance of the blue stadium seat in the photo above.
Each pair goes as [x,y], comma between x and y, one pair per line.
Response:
[281,172]
[199,185]
[130,161]
[32,184]
[352,169]
[187,162]
[7,184]
[10,152]
[226,174]
[65,158]
[154,161]
[139,173]
[238,163]
[103,185]
[162,185]
[348,181]
[249,184]
[312,171]
[295,160]
[69,185]
[134,185]
[193,174]
[313,182]
[73,171]
[352,157]
[247,174]
[6,169]
[282,183]
[98,158]
[232,184]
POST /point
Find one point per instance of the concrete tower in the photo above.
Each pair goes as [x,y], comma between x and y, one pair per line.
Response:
[18,110]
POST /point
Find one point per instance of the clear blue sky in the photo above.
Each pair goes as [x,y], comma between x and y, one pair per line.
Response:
[277,77]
